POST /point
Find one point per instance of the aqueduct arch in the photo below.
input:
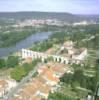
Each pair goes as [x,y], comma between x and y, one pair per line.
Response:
[29,53]
[35,55]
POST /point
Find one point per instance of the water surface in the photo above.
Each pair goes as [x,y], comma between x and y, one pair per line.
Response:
[25,43]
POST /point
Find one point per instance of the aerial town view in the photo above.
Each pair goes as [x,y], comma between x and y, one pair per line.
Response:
[49,50]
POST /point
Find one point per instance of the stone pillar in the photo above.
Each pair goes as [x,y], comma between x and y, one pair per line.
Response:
[67,61]
[57,59]
[54,59]
[62,60]
[36,56]
[43,59]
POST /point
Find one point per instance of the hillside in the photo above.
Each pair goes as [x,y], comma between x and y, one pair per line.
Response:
[67,17]
[39,15]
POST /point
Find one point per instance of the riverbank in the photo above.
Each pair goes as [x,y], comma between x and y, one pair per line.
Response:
[11,37]
[26,43]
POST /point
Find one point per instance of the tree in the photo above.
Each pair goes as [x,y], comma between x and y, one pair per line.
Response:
[67,78]
[2,63]
[78,75]
[12,61]
[18,73]
[27,67]
[59,96]
[97,70]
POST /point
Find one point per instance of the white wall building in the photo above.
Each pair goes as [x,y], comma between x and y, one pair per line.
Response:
[81,56]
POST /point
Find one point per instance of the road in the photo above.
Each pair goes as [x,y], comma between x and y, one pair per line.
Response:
[88,39]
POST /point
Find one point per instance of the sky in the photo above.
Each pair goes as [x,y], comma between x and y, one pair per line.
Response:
[71,6]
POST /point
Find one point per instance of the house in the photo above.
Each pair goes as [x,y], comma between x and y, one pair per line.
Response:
[3,86]
[68,45]
[50,78]
[80,54]
[34,89]
[40,86]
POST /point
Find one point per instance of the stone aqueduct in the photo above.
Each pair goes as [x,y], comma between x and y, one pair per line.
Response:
[34,55]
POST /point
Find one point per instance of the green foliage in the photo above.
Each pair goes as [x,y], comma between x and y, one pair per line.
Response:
[21,71]
[27,67]
[79,79]
[18,73]
[97,72]
[55,38]
[35,74]
[90,30]
[42,46]
[78,75]
[67,78]
[59,37]
[2,63]
[59,96]
[12,61]
[13,37]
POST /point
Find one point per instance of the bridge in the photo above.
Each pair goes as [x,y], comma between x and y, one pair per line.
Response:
[57,58]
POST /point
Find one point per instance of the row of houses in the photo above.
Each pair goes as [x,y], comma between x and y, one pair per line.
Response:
[6,86]
[3,86]
[45,82]
[38,22]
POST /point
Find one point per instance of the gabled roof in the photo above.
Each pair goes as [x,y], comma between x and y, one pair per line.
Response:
[49,75]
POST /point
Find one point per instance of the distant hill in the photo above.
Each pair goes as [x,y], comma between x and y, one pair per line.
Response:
[68,17]
[39,15]
[90,17]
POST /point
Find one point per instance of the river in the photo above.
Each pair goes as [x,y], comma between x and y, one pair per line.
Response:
[25,43]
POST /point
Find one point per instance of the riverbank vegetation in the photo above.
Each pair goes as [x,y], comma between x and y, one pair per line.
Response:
[55,38]
[12,37]
[81,36]
[9,62]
